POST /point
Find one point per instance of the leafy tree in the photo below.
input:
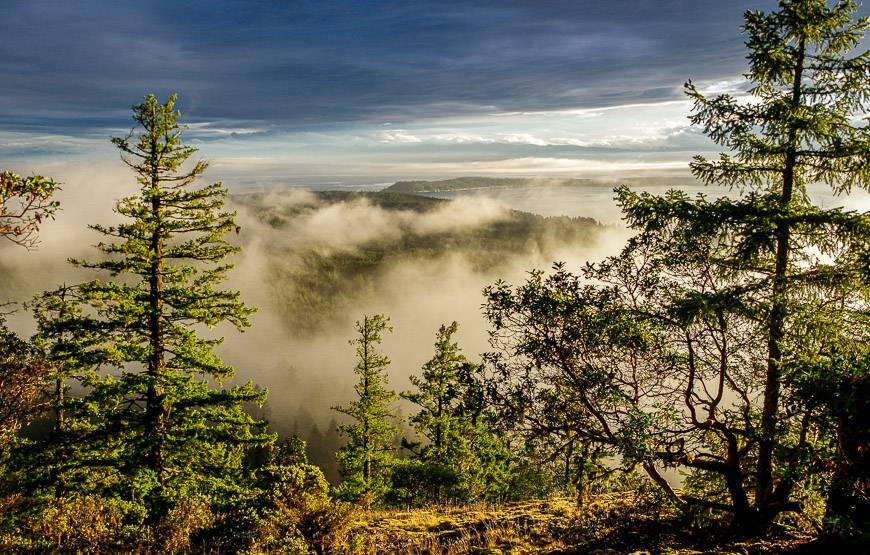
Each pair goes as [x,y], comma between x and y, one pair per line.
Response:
[159,424]
[25,202]
[367,457]
[23,377]
[680,351]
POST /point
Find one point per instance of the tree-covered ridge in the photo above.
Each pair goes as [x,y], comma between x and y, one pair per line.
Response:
[324,280]
[276,213]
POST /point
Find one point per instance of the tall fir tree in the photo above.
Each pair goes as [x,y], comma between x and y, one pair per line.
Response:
[161,423]
[787,260]
[366,459]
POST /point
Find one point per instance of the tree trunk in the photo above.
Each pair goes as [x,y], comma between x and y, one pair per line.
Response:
[156,410]
[776,326]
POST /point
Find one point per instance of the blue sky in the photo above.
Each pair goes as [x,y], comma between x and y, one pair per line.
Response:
[373,91]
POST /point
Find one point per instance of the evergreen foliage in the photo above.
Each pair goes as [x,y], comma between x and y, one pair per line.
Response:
[680,351]
[366,459]
[779,255]
[156,429]
[438,419]
[460,457]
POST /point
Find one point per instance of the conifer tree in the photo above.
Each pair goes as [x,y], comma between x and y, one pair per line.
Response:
[158,421]
[465,456]
[366,459]
[438,398]
[688,349]
[65,339]
[786,259]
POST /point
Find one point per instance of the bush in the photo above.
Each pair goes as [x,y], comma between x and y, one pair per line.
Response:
[290,510]
[176,530]
[86,524]
[416,483]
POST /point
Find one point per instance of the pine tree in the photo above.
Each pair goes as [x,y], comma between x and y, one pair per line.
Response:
[688,349]
[466,458]
[65,340]
[158,421]
[437,397]
[368,455]
[787,260]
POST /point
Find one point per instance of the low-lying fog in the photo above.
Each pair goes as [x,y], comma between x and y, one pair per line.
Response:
[307,373]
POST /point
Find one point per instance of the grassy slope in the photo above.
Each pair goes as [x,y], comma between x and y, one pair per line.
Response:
[607,524]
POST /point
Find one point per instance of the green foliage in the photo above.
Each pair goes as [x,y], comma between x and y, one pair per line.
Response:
[835,382]
[368,455]
[83,524]
[23,380]
[25,202]
[156,430]
[461,457]
[780,258]
[438,419]
[680,352]
[288,509]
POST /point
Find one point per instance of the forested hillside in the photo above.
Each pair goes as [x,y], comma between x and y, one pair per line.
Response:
[324,278]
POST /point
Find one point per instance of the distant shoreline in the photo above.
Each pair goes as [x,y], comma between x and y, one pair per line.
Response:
[460,184]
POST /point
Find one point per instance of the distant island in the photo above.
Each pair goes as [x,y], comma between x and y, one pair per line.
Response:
[479,183]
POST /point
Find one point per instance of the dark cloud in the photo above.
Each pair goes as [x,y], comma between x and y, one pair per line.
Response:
[76,67]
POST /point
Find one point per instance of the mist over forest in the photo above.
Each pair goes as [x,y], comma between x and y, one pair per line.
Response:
[313,262]
[435,278]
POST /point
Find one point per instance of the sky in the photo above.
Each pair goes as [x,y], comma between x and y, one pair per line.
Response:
[322,91]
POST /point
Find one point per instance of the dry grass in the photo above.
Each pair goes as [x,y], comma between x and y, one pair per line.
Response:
[608,524]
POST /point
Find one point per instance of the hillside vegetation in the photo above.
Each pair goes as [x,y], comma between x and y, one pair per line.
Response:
[626,522]
[321,280]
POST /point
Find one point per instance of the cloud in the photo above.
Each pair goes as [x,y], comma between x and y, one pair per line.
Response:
[398,136]
[319,64]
